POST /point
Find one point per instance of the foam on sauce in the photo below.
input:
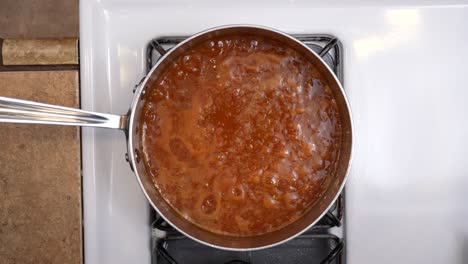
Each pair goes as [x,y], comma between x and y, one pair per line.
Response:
[240,134]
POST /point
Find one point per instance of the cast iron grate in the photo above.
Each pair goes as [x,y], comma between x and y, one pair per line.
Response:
[316,245]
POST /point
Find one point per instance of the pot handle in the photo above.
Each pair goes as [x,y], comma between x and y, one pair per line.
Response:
[29,112]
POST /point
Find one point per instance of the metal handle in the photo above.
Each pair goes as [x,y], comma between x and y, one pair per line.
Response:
[28,112]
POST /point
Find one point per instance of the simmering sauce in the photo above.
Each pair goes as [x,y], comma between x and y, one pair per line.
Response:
[240,134]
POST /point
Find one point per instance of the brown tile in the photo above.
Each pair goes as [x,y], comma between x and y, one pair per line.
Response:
[39,51]
[39,19]
[40,178]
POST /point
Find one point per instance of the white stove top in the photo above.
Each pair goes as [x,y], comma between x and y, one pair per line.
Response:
[405,76]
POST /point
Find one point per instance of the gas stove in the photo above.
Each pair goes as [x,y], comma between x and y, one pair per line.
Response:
[405,76]
[323,243]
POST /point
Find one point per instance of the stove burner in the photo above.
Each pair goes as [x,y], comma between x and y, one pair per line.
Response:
[316,245]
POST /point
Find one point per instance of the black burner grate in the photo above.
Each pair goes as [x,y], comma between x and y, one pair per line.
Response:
[316,245]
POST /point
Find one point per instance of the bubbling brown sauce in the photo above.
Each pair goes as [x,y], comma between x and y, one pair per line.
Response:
[240,134]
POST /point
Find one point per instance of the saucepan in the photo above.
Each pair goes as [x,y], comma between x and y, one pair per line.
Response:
[21,111]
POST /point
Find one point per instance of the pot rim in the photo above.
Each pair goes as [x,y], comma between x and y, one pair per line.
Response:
[131,130]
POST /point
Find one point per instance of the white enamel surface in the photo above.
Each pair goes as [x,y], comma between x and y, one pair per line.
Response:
[406,78]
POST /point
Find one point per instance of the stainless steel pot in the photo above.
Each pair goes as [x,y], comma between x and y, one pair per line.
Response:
[20,111]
